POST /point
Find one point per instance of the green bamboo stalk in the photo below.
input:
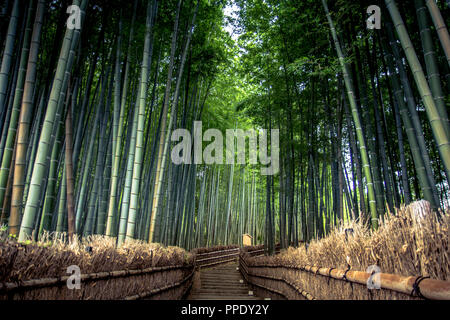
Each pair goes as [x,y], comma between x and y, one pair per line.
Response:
[62,203]
[87,165]
[410,131]
[440,26]
[31,157]
[7,200]
[128,181]
[51,191]
[14,119]
[69,172]
[55,158]
[101,225]
[117,85]
[165,131]
[431,62]
[371,143]
[140,111]
[40,165]
[95,196]
[120,130]
[8,54]
[379,129]
[229,200]
[25,121]
[357,121]
[411,104]
[438,125]
[162,138]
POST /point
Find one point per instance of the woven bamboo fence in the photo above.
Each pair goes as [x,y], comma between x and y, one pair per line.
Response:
[171,279]
[257,251]
[32,272]
[289,282]
[148,283]
[208,257]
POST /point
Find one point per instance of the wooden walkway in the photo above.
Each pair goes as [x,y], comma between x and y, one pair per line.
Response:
[223,282]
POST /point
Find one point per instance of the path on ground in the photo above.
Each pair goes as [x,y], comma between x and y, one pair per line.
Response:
[223,282]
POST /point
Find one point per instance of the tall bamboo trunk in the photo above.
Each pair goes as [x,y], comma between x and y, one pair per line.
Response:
[31,209]
[26,112]
[438,125]
[140,110]
[357,121]
[70,179]
[410,131]
[431,62]
[166,130]
[440,26]
[17,101]
[8,54]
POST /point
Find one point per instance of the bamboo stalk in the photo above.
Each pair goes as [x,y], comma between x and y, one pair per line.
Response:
[438,125]
[441,28]
[357,121]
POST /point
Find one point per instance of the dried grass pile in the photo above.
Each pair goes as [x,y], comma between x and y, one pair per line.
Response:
[415,242]
[21,262]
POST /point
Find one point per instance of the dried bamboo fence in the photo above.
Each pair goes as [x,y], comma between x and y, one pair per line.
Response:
[208,257]
[23,277]
[32,272]
[111,285]
[310,283]
[257,251]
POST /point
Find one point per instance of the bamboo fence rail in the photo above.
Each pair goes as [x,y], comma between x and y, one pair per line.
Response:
[220,257]
[154,292]
[410,286]
[9,289]
[279,282]
[291,285]
[48,282]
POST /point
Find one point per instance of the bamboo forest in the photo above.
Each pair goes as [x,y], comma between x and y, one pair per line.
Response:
[212,137]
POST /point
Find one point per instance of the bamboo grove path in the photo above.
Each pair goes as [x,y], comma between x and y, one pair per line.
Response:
[223,282]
